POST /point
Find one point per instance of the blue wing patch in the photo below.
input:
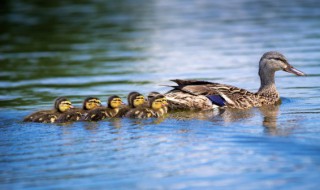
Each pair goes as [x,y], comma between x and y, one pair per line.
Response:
[217,100]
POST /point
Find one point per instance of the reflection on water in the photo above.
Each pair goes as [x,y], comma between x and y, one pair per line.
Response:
[101,48]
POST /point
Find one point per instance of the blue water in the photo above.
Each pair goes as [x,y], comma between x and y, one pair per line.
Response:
[100,48]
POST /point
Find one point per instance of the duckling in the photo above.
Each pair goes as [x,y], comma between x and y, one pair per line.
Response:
[154,94]
[155,109]
[113,107]
[61,105]
[75,114]
[135,99]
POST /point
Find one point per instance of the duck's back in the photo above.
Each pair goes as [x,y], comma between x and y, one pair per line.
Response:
[204,95]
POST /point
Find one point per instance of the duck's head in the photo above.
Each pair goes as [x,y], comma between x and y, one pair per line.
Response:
[274,61]
[135,99]
[158,102]
[91,103]
[114,102]
[62,104]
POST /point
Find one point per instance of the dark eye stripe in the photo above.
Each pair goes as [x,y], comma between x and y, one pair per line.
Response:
[279,59]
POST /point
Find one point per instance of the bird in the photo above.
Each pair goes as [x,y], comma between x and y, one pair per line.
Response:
[75,114]
[61,105]
[154,94]
[155,108]
[134,99]
[113,106]
[204,95]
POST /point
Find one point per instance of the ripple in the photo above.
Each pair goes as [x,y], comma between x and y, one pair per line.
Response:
[77,49]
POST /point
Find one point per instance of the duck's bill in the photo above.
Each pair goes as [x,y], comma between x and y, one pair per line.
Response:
[295,71]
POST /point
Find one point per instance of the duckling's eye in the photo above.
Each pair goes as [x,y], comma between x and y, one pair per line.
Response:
[140,98]
[66,103]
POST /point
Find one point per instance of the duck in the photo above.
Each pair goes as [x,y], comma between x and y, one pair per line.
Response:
[75,114]
[204,95]
[113,106]
[135,100]
[155,108]
[164,100]
[61,105]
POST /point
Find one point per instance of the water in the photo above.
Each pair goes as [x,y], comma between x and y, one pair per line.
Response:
[82,48]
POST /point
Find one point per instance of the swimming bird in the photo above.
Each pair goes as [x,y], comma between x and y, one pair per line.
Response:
[61,105]
[135,100]
[204,95]
[153,94]
[155,108]
[75,114]
[113,107]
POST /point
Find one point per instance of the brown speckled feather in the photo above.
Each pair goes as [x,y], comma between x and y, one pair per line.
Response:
[235,97]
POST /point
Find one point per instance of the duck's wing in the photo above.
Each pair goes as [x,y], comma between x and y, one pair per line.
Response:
[219,94]
[181,82]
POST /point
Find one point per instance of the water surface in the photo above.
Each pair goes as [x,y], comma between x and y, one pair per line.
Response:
[100,48]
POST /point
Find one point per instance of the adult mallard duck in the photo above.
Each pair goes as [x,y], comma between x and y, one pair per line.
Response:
[61,105]
[155,108]
[113,107]
[75,114]
[203,95]
[135,100]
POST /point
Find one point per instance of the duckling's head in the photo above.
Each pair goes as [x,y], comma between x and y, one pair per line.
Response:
[273,61]
[130,97]
[158,102]
[62,104]
[114,102]
[135,99]
[152,94]
[91,103]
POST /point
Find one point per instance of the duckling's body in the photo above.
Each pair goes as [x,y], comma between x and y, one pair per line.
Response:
[61,106]
[76,114]
[203,95]
[114,103]
[156,108]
